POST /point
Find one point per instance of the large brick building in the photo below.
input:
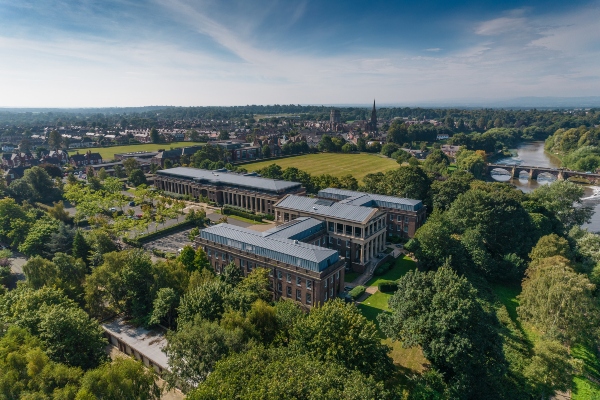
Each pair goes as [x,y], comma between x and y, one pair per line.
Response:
[404,216]
[355,231]
[299,267]
[227,188]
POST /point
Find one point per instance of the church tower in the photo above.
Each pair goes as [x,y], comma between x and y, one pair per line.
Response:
[373,122]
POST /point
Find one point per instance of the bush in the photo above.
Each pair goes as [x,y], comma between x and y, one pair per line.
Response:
[387,286]
[357,292]
[382,269]
[137,242]
[241,212]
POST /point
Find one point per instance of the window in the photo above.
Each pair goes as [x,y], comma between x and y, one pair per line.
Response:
[216,255]
[249,266]
[288,291]
[337,275]
[391,217]
[347,243]
[279,275]
[279,287]
[209,252]
[331,292]
[347,253]
[330,240]
[331,226]
[331,279]
[298,281]
[325,296]
[405,228]
[406,220]
[308,285]
[399,218]
[243,263]
[339,242]
[271,272]
[308,298]
[298,294]
[289,278]
[323,239]
[325,282]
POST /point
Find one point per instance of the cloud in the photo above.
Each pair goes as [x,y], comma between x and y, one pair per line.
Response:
[434,49]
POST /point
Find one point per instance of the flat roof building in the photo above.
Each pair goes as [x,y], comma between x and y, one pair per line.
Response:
[248,191]
[299,266]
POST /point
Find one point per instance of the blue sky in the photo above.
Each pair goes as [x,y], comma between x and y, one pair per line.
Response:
[87,53]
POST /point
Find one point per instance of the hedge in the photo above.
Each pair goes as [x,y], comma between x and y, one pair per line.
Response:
[242,212]
[383,268]
[357,292]
[137,242]
[387,286]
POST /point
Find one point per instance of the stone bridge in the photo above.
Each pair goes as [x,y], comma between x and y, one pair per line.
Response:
[532,172]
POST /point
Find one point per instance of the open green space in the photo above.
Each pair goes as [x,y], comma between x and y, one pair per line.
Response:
[402,266]
[336,164]
[250,221]
[373,305]
[108,153]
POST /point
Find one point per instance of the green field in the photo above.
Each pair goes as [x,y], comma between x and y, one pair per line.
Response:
[403,265]
[108,153]
[336,164]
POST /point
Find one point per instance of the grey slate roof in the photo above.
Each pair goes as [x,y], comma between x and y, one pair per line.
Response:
[370,200]
[297,229]
[350,212]
[229,178]
[277,248]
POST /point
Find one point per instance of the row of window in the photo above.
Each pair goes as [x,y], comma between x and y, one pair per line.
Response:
[288,279]
[288,292]
[399,218]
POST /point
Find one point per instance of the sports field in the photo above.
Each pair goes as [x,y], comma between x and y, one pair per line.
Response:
[108,153]
[336,164]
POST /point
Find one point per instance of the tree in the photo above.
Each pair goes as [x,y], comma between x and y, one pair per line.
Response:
[563,199]
[154,135]
[558,301]
[130,164]
[471,161]
[194,349]
[81,248]
[279,373]
[445,192]
[41,184]
[70,336]
[38,237]
[58,212]
[124,378]
[232,274]
[54,140]
[164,307]
[186,257]
[205,300]
[348,182]
[137,177]
[336,332]
[102,174]
[407,181]
[437,162]
[223,135]
[39,272]
[119,171]
[272,171]
[440,312]
[551,368]
[266,151]
[550,246]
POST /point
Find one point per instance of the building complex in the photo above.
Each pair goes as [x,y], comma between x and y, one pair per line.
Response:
[301,268]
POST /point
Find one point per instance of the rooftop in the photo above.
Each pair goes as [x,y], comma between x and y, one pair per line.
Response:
[146,342]
[370,200]
[326,208]
[229,178]
[269,244]
[297,229]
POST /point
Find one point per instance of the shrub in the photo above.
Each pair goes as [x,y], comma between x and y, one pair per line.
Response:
[357,292]
[241,212]
[382,269]
[387,286]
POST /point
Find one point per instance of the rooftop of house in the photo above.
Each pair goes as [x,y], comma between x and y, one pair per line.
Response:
[327,208]
[297,229]
[222,177]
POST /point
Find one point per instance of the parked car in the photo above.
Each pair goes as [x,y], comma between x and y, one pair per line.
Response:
[112,209]
[131,203]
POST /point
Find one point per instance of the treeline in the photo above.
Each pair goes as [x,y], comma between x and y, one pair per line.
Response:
[579,147]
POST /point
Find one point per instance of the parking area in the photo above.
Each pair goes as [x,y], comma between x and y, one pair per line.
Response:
[170,243]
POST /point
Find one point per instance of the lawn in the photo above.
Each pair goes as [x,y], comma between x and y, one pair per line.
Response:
[250,221]
[403,265]
[336,164]
[108,153]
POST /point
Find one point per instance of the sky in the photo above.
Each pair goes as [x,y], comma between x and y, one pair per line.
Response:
[102,53]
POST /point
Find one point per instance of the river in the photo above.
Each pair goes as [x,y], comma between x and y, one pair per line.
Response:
[533,153]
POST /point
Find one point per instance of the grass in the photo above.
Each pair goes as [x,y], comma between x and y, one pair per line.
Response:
[350,276]
[402,266]
[336,164]
[250,221]
[108,153]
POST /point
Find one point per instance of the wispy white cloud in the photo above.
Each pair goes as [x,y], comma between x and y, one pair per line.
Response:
[433,49]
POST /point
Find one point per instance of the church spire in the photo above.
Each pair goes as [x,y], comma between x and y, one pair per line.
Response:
[374,117]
